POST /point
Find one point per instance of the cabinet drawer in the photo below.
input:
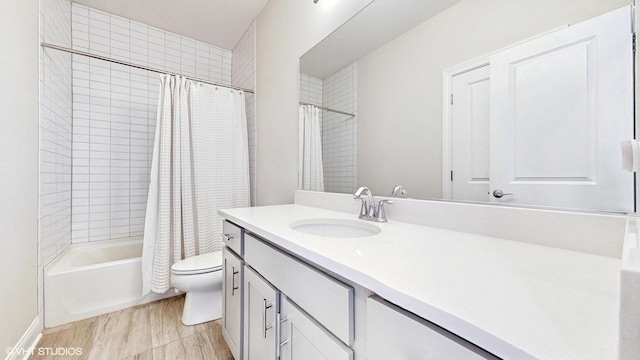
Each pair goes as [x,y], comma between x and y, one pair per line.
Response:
[393,333]
[232,235]
[327,300]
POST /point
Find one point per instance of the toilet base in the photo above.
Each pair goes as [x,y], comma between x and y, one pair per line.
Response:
[200,307]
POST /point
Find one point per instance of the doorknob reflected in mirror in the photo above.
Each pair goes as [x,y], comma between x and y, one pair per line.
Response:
[497,193]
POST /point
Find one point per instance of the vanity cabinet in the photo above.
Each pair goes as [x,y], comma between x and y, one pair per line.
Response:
[393,333]
[232,288]
[232,302]
[261,307]
[288,309]
[326,299]
[302,338]
[291,310]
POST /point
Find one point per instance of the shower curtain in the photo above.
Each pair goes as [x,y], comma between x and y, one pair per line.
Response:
[310,174]
[200,164]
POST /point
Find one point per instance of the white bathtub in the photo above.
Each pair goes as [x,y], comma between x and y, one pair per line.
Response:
[90,279]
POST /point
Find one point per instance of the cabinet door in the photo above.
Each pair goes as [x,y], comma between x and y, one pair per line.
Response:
[302,338]
[260,308]
[232,303]
[393,333]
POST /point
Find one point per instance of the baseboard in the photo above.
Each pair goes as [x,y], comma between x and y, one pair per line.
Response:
[27,342]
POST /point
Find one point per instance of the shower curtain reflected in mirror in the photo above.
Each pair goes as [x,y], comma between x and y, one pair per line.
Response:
[200,164]
[310,172]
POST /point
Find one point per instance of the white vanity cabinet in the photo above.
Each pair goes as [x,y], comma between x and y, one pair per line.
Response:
[291,310]
[260,309]
[393,333]
[302,338]
[232,302]
[232,288]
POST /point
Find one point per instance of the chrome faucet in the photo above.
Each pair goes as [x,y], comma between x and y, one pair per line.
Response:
[369,210]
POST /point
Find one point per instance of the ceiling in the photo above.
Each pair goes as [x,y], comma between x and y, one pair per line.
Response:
[375,25]
[217,22]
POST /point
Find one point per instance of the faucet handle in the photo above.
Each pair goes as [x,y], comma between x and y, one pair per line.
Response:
[398,189]
[363,208]
[382,217]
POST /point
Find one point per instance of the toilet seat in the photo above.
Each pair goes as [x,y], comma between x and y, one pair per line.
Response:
[199,264]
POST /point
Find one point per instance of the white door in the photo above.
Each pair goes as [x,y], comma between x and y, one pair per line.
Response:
[470,135]
[560,106]
[302,338]
[232,302]
[260,306]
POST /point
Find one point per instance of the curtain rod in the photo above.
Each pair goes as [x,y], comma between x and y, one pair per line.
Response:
[328,109]
[99,57]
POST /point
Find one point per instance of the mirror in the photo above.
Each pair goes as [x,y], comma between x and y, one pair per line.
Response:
[393,65]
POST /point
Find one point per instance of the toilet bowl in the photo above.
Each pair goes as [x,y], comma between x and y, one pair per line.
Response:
[200,277]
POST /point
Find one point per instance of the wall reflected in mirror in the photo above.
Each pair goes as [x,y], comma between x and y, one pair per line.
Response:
[387,66]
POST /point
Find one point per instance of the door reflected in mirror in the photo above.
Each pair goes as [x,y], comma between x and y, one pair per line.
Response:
[459,99]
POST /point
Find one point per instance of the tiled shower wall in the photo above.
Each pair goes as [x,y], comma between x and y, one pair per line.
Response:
[54,223]
[114,115]
[244,76]
[339,132]
[310,89]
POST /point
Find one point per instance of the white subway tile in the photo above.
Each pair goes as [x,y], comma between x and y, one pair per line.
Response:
[119,116]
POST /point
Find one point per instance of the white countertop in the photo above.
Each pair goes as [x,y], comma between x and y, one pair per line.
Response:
[516,300]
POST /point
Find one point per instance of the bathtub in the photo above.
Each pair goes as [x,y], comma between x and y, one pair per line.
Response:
[90,279]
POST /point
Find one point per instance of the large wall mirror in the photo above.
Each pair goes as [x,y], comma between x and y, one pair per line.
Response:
[512,102]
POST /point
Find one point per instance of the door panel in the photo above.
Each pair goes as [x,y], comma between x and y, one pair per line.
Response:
[260,306]
[470,135]
[302,338]
[560,106]
[232,302]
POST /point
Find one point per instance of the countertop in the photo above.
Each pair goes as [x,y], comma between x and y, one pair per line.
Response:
[514,299]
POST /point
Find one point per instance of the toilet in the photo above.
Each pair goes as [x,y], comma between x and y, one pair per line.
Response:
[200,277]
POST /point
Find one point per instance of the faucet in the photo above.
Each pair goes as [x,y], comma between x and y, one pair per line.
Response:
[369,211]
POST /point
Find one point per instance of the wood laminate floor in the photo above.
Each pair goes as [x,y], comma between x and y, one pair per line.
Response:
[146,332]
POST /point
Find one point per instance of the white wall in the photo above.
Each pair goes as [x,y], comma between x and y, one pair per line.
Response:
[18,168]
[400,84]
[243,74]
[286,29]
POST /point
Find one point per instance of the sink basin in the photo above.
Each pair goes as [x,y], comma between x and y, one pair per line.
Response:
[335,228]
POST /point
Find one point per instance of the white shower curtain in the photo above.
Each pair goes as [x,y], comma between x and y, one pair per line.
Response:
[200,164]
[310,174]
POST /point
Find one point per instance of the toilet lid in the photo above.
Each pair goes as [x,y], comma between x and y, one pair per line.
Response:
[199,264]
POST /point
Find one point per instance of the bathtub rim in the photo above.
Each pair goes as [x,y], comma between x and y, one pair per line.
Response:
[61,263]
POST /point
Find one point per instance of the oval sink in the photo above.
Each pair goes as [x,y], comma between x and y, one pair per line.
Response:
[335,228]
